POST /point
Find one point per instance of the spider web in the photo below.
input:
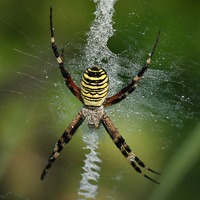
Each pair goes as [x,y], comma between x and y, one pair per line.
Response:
[164,100]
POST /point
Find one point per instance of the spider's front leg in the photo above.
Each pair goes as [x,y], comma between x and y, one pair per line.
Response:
[124,148]
[68,80]
[65,138]
[133,84]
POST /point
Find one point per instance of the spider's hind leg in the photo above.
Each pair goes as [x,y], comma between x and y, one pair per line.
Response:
[65,138]
[133,156]
[124,148]
[62,57]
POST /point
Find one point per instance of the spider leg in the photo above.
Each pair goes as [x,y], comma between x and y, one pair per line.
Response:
[68,80]
[62,54]
[124,148]
[133,84]
[65,138]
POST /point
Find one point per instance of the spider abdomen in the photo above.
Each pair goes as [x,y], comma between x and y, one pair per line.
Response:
[94,86]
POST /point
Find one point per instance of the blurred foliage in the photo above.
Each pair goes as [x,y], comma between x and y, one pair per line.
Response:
[32,92]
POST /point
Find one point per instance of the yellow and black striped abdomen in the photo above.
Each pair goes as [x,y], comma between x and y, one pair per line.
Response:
[94,86]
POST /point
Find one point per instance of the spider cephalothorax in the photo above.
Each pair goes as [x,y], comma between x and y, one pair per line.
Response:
[93,116]
[93,92]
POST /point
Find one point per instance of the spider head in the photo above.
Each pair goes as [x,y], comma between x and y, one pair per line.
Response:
[94,86]
[93,116]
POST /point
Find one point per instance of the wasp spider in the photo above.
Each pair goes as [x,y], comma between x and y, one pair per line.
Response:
[92,93]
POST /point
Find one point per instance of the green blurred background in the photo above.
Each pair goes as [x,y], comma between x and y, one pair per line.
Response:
[160,121]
